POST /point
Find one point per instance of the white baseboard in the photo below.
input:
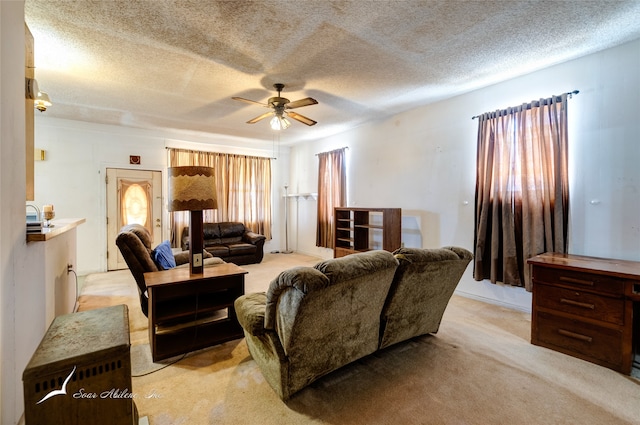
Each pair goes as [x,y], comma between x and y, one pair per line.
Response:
[494,301]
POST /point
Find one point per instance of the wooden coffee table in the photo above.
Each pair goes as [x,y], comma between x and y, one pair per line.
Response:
[189,312]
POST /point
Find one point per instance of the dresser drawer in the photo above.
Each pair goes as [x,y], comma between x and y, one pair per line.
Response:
[582,339]
[579,280]
[581,303]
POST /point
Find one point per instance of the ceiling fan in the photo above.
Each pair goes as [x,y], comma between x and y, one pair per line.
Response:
[281,109]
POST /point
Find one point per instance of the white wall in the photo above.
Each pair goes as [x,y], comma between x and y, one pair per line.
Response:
[20,302]
[423,161]
[24,294]
[72,177]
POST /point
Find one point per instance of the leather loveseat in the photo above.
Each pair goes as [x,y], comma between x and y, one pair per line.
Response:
[314,320]
[231,241]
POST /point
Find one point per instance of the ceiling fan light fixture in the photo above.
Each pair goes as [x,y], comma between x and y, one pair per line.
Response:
[281,109]
[278,122]
[42,101]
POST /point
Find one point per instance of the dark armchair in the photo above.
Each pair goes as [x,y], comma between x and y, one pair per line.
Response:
[134,242]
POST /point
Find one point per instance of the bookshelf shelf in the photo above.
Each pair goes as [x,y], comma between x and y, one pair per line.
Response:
[364,229]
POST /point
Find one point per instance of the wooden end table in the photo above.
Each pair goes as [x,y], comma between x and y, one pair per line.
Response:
[189,312]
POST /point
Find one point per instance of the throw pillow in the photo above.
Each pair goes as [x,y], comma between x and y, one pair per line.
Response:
[163,256]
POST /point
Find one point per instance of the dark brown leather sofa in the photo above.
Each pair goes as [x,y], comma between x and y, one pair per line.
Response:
[231,241]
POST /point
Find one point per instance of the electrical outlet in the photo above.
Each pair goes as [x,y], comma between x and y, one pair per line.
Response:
[197,260]
[69,268]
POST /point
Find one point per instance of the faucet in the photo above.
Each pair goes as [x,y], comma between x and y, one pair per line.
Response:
[38,216]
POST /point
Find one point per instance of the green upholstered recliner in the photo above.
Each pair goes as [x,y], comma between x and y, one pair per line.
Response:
[421,289]
[312,321]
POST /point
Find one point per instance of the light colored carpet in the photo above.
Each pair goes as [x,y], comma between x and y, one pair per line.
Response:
[479,369]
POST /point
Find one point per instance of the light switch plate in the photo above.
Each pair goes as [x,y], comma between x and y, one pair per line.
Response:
[197,260]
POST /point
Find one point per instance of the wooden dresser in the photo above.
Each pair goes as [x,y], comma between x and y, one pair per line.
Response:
[583,307]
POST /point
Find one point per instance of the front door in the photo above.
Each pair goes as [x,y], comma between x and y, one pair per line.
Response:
[133,196]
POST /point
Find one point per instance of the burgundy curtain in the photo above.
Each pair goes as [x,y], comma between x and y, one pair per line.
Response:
[522,189]
[332,192]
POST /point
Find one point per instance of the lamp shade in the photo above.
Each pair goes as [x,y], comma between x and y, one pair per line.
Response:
[192,188]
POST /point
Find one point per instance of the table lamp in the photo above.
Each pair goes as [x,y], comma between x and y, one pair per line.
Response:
[193,189]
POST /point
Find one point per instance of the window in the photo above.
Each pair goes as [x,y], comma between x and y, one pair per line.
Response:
[243,185]
[135,203]
[522,189]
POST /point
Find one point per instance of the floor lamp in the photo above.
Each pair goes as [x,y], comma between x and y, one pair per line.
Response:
[193,189]
[286,220]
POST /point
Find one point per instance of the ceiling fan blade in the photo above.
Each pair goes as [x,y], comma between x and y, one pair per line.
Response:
[253,102]
[300,103]
[301,118]
[261,117]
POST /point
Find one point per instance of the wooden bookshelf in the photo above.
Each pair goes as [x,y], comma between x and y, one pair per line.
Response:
[365,229]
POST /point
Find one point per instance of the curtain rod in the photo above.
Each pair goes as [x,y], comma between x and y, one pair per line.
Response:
[569,95]
[220,153]
[344,147]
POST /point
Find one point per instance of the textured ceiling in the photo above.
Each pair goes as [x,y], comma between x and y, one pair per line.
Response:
[176,64]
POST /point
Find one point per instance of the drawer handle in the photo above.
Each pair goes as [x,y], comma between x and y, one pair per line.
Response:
[578,281]
[575,335]
[577,304]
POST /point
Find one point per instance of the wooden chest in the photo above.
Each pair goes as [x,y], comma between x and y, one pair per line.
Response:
[81,371]
[583,307]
